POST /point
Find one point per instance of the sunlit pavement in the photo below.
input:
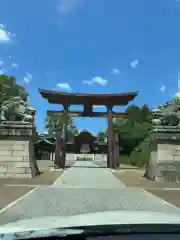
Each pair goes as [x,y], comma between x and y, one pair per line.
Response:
[84,188]
[86,174]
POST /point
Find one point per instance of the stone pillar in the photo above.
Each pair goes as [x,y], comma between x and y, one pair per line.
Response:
[65,116]
[110,138]
[116,149]
[164,162]
[17,156]
[58,150]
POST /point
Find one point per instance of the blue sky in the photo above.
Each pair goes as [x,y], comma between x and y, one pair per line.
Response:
[92,46]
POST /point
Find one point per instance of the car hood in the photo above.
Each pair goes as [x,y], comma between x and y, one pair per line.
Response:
[91,219]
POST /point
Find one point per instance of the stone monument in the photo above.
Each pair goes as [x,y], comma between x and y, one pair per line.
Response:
[164,163]
[17,138]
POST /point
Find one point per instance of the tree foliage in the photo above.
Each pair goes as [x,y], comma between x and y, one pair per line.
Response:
[133,131]
[72,132]
[102,135]
[52,123]
[176,100]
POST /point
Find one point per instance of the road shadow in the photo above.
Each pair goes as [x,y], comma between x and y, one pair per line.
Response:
[85,167]
[128,168]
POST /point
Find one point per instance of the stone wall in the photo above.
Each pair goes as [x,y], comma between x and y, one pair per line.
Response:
[168,167]
[17,152]
[82,156]
[164,164]
[100,157]
[70,157]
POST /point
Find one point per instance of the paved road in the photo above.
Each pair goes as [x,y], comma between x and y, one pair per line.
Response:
[101,163]
[84,188]
[86,174]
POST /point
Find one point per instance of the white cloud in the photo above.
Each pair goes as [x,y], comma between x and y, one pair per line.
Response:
[28,78]
[1,63]
[66,7]
[2,71]
[5,36]
[98,80]
[177,94]
[64,86]
[163,88]
[87,82]
[134,63]
[15,65]
[178,81]
[115,71]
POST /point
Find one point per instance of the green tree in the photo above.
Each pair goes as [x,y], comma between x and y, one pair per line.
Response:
[51,123]
[146,114]
[72,131]
[134,113]
[135,129]
[9,88]
[122,125]
[139,114]
[102,135]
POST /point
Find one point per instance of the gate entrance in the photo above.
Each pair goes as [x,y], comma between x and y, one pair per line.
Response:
[88,101]
[84,142]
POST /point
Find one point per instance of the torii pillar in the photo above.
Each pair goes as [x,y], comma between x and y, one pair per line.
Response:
[65,117]
[110,138]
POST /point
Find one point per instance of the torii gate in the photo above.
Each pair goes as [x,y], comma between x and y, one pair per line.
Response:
[88,101]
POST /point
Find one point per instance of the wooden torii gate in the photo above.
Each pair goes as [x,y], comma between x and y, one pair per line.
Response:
[88,101]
